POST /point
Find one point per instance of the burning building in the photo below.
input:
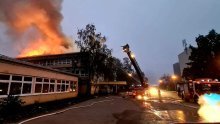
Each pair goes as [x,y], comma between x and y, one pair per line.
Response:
[76,63]
[34,26]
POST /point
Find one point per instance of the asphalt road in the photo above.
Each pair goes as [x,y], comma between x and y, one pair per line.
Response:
[118,110]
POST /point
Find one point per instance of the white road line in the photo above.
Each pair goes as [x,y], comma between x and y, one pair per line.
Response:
[93,103]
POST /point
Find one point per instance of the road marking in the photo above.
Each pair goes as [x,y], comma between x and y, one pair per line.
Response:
[76,107]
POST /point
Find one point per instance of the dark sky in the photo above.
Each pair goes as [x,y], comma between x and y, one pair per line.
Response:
[154,29]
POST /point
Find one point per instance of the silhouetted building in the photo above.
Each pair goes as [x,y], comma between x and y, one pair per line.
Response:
[184,59]
[176,69]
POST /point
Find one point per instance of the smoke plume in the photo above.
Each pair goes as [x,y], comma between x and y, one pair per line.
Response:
[35,25]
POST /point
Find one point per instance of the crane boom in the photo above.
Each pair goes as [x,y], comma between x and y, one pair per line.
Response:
[135,64]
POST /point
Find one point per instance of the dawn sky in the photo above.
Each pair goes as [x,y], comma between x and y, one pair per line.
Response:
[154,29]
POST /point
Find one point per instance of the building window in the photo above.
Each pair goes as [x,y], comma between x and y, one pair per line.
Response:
[39,79]
[45,88]
[72,86]
[3,88]
[27,84]
[58,81]
[58,87]
[26,88]
[46,80]
[67,86]
[15,88]
[63,88]
[17,78]
[68,61]
[38,88]
[4,77]
[28,79]
[51,87]
[52,81]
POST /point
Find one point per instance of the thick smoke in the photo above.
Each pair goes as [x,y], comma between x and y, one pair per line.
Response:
[35,26]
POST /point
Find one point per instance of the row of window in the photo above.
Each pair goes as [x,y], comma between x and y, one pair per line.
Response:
[15,84]
[80,72]
[56,62]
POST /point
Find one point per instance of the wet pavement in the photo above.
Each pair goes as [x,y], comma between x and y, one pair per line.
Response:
[118,110]
[170,109]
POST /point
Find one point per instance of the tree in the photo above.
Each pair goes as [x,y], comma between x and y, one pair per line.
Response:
[204,59]
[167,82]
[10,106]
[94,43]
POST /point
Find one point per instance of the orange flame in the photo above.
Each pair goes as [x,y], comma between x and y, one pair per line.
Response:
[52,42]
[37,22]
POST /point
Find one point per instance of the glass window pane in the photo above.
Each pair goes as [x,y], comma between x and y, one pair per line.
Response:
[15,88]
[3,88]
[45,88]
[58,88]
[26,88]
[58,81]
[52,81]
[63,87]
[4,77]
[17,78]
[63,81]
[27,78]
[67,88]
[51,87]
[39,79]
[72,86]
[38,88]
[67,82]
[46,80]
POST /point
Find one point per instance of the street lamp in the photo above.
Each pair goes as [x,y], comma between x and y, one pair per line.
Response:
[174,77]
[129,74]
[132,55]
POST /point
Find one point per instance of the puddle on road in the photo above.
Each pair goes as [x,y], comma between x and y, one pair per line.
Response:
[168,112]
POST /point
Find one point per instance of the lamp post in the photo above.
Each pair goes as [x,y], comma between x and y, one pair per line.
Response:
[159,93]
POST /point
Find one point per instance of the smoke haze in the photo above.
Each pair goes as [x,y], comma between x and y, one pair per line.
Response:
[34,26]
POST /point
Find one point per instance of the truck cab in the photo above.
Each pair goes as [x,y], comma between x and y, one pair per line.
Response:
[193,89]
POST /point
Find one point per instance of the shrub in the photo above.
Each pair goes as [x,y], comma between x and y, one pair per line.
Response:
[10,106]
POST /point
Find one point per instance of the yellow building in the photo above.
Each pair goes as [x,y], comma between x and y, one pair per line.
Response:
[34,83]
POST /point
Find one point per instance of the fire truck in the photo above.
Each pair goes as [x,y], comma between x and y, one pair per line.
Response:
[191,90]
[126,49]
[140,90]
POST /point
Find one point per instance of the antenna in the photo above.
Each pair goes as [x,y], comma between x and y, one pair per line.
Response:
[184,45]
